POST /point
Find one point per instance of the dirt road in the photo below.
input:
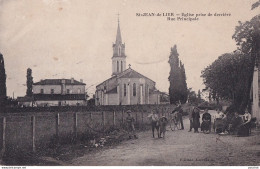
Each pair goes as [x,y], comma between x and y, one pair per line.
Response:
[179,148]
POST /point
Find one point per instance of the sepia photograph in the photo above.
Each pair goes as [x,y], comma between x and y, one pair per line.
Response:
[129,83]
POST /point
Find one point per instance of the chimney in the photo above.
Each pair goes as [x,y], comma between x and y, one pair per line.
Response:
[72,80]
[81,80]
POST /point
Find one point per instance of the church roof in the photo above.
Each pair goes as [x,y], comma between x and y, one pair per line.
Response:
[131,73]
[128,73]
[114,90]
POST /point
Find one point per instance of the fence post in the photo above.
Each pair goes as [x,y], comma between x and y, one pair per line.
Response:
[136,120]
[57,123]
[75,122]
[33,132]
[103,121]
[3,136]
[123,117]
[90,114]
[114,118]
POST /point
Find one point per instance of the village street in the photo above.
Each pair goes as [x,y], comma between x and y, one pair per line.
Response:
[179,148]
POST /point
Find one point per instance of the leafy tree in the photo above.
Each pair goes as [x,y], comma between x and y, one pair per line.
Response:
[227,77]
[255,5]
[2,83]
[199,95]
[29,82]
[176,78]
[247,36]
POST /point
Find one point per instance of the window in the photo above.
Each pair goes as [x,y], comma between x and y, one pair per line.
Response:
[134,89]
[121,66]
[42,91]
[117,66]
[124,89]
[79,91]
[68,91]
[119,51]
[52,91]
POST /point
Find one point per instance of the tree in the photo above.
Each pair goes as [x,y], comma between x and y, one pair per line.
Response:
[247,36]
[227,77]
[2,83]
[184,90]
[178,87]
[199,95]
[29,82]
[174,78]
[255,5]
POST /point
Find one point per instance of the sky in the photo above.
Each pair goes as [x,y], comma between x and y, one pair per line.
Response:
[73,39]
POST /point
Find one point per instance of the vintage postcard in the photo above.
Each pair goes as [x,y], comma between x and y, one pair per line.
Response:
[129,83]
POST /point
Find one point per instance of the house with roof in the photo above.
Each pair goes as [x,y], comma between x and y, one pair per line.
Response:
[56,92]
[126,86]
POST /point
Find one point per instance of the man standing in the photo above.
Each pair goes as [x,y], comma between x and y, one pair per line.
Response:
[130,124]
[190,117]
[155,121]
[180,113]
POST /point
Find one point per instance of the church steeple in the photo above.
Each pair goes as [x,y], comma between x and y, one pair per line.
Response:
[118,34]
[118,59]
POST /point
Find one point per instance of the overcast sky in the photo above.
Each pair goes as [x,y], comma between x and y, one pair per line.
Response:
[65,38]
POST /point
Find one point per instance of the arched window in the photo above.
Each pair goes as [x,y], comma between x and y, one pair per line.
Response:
[121,66]
[117,66]
[124,89]
[134,89]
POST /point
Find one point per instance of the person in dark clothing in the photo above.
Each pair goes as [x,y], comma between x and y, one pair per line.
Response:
[190,118]
[196,119]
[236,123]
[130,124]
[179,114]
[244,129]
[206,122]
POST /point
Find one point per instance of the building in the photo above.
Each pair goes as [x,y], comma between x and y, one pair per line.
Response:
[126,86]
[255,93]
[56,92]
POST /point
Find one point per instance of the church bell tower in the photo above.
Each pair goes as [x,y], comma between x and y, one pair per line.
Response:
[119,57]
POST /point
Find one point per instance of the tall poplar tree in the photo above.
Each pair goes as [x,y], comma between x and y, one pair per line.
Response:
[184,88]
[174,78]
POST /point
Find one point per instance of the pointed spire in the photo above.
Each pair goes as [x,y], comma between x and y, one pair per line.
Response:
[118,34]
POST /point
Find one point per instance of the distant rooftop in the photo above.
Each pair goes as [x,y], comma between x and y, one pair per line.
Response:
[59,82]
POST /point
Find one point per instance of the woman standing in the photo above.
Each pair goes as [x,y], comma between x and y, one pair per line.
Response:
[196,119]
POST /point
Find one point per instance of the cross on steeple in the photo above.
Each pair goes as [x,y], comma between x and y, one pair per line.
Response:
[118,17]
[129,65]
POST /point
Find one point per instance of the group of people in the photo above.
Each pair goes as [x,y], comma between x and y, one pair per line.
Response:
[228,123]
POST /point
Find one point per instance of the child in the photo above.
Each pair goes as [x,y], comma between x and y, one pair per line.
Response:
[163,122]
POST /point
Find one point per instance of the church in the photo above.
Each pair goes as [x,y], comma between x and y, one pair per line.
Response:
[126,86]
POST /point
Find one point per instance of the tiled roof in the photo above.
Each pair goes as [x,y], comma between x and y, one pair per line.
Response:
[114,90]
[24,99]
[58,82]
[130,73]
[59,97]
